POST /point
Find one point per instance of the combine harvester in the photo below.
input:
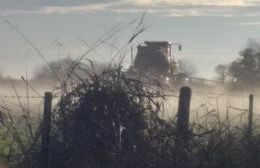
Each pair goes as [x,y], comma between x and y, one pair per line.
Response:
[155,60]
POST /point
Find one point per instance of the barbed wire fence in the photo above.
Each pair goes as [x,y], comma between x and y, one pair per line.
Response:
[209,97]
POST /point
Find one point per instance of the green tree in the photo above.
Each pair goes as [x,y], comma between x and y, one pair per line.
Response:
[246,69]
[63,69]
[221,70]
[59,67]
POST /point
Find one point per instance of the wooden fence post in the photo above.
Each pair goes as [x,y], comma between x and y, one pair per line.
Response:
[183,112]
[250,119]
[46,129]
[183,135]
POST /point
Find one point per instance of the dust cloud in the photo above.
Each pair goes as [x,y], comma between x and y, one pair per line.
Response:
[205,101]
[215,101]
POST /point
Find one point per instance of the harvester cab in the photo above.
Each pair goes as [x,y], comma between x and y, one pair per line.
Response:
[155,58]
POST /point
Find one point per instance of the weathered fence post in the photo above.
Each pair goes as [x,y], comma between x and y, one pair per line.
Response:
[183,112]
[46,129]
[250,119]
[183,135]
[252,159]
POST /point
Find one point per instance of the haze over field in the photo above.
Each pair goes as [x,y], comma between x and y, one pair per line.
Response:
[129,83]
[212,32]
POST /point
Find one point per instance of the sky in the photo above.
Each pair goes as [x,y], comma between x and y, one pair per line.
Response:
[211,32]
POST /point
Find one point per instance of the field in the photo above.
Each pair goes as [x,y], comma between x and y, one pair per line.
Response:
[78,113]
[136,121]
[129,84]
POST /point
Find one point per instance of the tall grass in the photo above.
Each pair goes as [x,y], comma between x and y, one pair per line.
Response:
[112,120]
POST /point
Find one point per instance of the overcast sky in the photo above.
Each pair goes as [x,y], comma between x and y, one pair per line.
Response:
[212,32]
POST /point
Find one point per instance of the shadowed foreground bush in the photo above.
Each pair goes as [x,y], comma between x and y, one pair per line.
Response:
[111,121]
[106,121]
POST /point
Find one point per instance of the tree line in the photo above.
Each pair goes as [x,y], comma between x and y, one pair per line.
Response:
[245,70]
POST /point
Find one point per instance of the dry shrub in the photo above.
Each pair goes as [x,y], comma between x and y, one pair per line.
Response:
[111,120]
[107,120]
